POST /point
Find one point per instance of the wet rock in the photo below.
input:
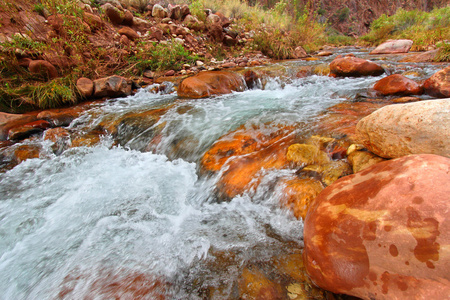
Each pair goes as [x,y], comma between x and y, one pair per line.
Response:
[28,129]
[299,52]
[329,172]
[411,128]
[324,53]
[61,116]
[397,84]
[254,284]
[43,67]
[303,154]
[380,233]
[406,99]
[393,46]
[129,33]
[422,57]
[349,66]
[208,83]
[251,79]
[8,121]
[113,86]
[159,12]
[114,15]
[438,85]
[360,160]
[298,194]
[24,152]
[60,138]
[85,87]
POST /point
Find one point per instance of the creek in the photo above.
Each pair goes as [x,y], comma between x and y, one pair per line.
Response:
[134,217]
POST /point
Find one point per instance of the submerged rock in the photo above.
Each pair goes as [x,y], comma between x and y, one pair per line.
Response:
[209,83]
[304,154]
[383,233]
[350,66]
[411,128]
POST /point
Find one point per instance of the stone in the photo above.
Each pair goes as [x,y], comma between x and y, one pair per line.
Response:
[324,53]
[393,46]
[24,152]
[192,22]
[169,73]
[213,19]
[215,33]
[8,121]
[129,33]
[113,14]
[124,40]
[28,129]
[85,87]
[159,12]
[329,172]
[128,18]
[303,154]
[427,56]
[229,41]
[383,233]
[349,66]
[229,65]
[299,193]
[299,52]
[208,83]
[185,11]
[410,128]
[113,86]
[94,21]
[397,84]
[254,284]
[43,67]
[251,79]
[438,85]
[174,12]
[60,116]
[361,160]
[56,135]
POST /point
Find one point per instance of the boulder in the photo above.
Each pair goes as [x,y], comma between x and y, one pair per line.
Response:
[128,18]
[410,128]
[215,33]
[251,79]
[397,84]
[43,67]
[350,66]
[61,116]
[129,33]
[85,86]
[192,22]
[113,14]
[174,12]
[26,130]
[213,19]
[159,12]
[254,284]
[393,46]
[185,11]
[438,85]
[94,21]
[208,83]
[299,52]
[383,233]
[361,160]
[8,121]
[421,57]
[113,86]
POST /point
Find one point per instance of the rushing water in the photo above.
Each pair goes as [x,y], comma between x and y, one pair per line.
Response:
[93,220]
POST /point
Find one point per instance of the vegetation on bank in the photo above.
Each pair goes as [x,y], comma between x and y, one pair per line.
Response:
[424,28]
[275,30]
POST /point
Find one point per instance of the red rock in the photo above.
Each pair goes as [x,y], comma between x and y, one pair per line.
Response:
[422,57]
[229,41]
[174,12]
[224,21]
[94,21]
[438,85]
[170,73]
[61,116]
[113,86]
[25,152]
[26,130]
[383,233]
[85,86]
[43,67]
[397,84]
[8,121]
[251,79]
[215,33]
[159,12]
[349,66]
[128,18]
[393,46]
[185,11]
[229,65]
[56,134]
[299,52]
[254,284]
[113,14]
[208,83]
[129,33]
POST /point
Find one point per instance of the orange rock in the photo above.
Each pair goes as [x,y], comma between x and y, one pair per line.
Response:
[254,284]
[129,33]
[43,67]
[438,85]
[61,116]
[24,131]
[350,66]
[299,194]
[8,121]
[397,84]
[25,152]
[384,232]
[208,83]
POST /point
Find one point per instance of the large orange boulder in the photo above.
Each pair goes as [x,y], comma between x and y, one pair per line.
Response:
[383,233]
[350,66]
[397,84]
[438,85]
[208,83]
[410,128]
